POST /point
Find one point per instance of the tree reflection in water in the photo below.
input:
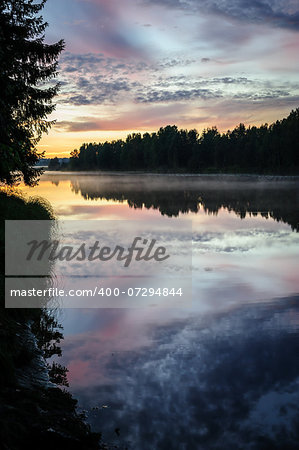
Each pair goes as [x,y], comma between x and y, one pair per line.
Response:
[172,195]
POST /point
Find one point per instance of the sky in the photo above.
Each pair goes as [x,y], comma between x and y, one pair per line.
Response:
[136,65]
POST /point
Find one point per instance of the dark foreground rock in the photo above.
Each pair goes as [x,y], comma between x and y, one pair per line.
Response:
[34,413]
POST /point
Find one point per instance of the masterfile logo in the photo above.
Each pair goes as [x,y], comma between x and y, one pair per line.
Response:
[144,250]
[98,263]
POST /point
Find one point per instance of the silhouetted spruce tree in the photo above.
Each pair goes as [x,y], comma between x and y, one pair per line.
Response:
[27,64]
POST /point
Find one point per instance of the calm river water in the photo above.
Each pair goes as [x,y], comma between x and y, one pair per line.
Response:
[222,373]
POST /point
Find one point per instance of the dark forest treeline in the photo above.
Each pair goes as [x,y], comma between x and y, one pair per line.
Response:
[264,149]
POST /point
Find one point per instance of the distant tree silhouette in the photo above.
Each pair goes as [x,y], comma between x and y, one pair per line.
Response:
[265,149]
[54,164]
[26,62]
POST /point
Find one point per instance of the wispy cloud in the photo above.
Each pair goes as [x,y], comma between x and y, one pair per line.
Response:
[94,79]
[277,13]
[142,64]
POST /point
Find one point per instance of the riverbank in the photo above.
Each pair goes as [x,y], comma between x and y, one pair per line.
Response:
[35,413]
[202,176]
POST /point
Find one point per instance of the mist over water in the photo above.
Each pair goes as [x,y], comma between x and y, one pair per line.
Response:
[223,373]
[275,197]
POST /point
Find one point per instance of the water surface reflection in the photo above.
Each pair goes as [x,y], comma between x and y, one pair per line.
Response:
[227,380]
[172,195]
[222,374]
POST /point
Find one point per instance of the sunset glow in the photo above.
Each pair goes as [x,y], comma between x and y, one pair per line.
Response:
[137,65]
